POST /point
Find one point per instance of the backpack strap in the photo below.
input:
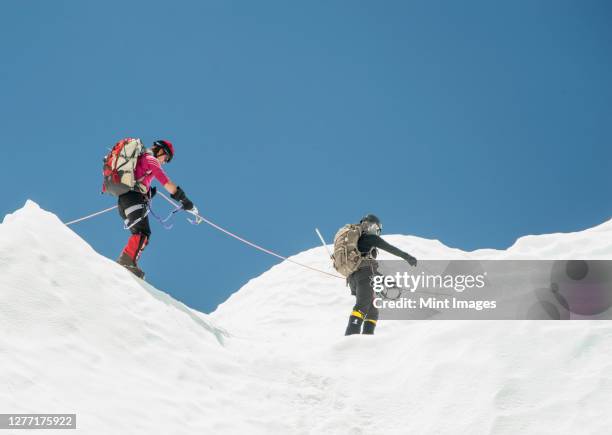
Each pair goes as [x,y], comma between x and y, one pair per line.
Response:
[139,180]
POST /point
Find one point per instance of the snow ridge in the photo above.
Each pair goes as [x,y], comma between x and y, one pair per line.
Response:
[83,335]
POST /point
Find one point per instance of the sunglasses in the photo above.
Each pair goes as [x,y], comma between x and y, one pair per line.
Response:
[165,149]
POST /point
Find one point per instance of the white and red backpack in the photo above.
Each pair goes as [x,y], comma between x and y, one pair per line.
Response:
[119,166]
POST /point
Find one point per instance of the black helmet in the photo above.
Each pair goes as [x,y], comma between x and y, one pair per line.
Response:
[373,224]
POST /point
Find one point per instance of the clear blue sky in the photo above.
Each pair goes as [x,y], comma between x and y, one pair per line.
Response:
[470,122]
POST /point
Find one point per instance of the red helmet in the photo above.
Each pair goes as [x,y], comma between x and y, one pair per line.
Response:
[166,146]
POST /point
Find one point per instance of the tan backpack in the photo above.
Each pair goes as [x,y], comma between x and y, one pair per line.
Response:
[347,257]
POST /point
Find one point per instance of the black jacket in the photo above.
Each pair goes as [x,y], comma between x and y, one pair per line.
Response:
[369,242]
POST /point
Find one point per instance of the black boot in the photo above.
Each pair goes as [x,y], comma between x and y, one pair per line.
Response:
[126,261]
[354,325]
[368,326]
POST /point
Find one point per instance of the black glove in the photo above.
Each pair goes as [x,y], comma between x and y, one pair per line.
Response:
[152,192]
[179,195]
[411,260]
[187,205]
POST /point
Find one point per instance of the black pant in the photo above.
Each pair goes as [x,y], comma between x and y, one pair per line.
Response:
[132,208]
[360,283]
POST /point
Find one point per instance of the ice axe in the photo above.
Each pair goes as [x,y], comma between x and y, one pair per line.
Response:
[323,242]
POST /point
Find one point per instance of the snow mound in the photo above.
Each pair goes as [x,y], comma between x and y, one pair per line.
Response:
[442,377]
[81,335]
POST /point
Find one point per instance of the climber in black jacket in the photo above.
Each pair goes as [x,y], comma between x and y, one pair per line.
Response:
[364,312]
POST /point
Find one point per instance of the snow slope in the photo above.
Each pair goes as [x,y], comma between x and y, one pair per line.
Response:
[81,335]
